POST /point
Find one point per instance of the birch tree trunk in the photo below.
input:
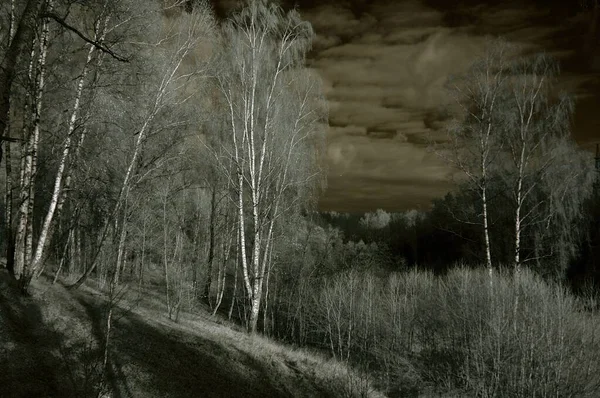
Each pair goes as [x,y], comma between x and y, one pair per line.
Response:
[485,152]
[549,178]
[519,206]
[8,213]
[527,95]
[24,33]
[121,245]
[24,236]
[24,172]
[55,201]
[486,233]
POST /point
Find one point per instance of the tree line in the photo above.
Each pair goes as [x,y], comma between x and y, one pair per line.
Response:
[154,143]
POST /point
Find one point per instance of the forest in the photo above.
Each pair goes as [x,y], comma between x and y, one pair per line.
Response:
[159,148]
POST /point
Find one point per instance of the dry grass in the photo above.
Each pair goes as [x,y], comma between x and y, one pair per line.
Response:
[454,335]
[293,372]
[52,346]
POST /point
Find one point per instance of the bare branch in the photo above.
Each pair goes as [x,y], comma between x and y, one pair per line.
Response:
[94,43]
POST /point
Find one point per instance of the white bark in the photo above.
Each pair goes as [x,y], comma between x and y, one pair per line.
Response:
[519,201]
[11,29]
[24,178]
[475,140]
[58,180]
[485,151]
[24,237]
[119,263]
[525,95]
[24,28]
[268,130]
[8,212]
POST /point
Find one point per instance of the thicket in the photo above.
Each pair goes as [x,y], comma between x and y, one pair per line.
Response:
[413,332]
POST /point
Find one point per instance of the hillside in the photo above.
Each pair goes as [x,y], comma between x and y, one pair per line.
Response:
[52,347]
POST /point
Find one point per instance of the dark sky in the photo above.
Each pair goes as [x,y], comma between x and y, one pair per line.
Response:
[384,64]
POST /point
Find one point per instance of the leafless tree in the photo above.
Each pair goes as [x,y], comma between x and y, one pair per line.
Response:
[23,28]
[514,138]
[172,51]
[474,138]
[537,124]
[29,153]
[270,153]
[36,22]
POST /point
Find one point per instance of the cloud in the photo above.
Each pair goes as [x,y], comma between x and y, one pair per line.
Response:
[385,71]
[363,168]
[384,83]
[384,65]
[338,20]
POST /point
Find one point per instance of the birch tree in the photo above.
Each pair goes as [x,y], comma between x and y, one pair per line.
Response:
[474,139]
[29,150]
[5,150]
[71,142]
[28,63]
[168,88]
[28,259]
[23,28]
[537,138]
[270,150]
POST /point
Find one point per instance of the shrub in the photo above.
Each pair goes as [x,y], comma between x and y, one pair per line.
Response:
[518,336]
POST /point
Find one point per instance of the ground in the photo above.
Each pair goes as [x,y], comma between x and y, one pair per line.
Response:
[52,346]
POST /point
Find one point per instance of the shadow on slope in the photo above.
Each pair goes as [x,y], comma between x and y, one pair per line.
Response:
[167,363]
[30,365]
[51,345]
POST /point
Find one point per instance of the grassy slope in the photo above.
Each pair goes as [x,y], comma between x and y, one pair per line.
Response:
[49,347]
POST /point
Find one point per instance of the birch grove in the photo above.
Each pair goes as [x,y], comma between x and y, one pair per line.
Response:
[60,183]
[56,114]
[271,148]
[548,177]
[168,92]
[22,31]
[169,159]
[28,260]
